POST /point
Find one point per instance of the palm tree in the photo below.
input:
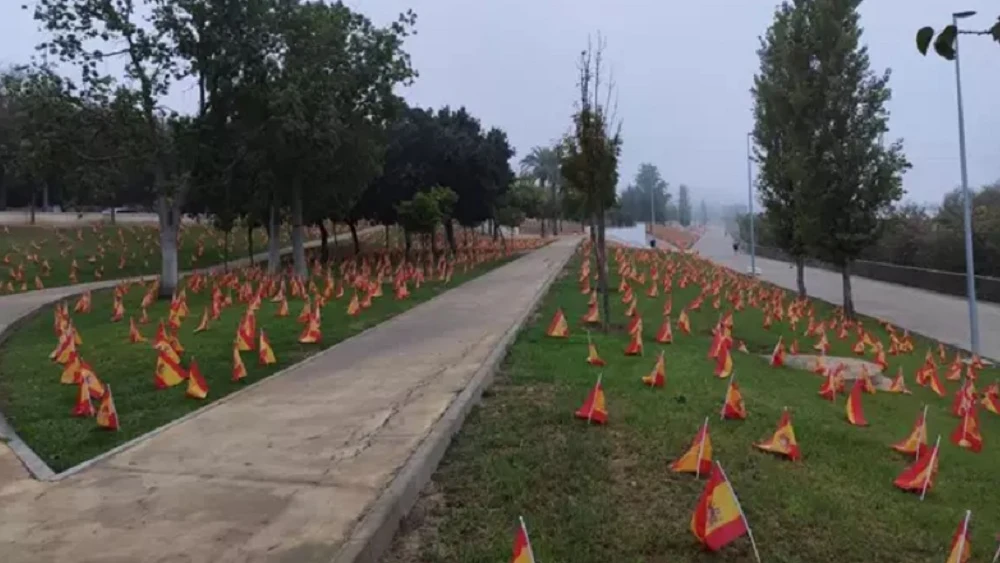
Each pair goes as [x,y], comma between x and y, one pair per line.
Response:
[542,164]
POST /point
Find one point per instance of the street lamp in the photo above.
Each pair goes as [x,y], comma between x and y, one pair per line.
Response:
[753,242]
[970,269]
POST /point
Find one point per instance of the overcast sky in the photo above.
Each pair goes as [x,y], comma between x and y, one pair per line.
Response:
[683,72]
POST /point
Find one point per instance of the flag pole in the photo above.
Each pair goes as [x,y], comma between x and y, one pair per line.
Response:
[996,556]
[930,468]
[736,498]
[701,450]
[965,532]
[527,538]
[923,433]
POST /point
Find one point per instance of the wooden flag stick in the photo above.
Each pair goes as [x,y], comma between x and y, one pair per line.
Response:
[527,538]
[965,531]
[701,450]
[996,556]
[736,498]
[923,434]
[930,468]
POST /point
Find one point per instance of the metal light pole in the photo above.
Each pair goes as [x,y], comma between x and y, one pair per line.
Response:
[970,266]
[753,240]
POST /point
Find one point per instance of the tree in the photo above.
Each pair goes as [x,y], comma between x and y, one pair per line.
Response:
[683,205]
[784,119]
[645,196]
[542,164]
[704,213]
[857,177]
[944,44]
[523,199]
[590,163]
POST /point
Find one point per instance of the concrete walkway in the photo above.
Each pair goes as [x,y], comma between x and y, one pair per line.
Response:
[287,469]
[942,317]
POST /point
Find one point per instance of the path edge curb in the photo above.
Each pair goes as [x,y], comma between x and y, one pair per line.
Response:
[373,535]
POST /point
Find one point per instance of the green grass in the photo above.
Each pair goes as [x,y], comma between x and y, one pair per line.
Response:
[199,246]
[605,494]
[39,407]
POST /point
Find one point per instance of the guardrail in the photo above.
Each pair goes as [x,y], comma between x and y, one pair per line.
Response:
[939,281]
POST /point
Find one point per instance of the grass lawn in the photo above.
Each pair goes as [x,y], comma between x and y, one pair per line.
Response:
[104,251]
[39,407]
[605,493]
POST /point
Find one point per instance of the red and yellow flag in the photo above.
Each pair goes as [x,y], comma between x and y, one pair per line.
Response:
[522,546]
[558,328]
[593,315]
[354,306]
[594,408]
[169,371]
[783,441]
[665,335]
[265,353]
[961,549]
[919,477]
[197,386]
[855,414]
[312,334]
[916,442]
[657,377]
[239,369]
[684,323]
[724,361]
[593,358]
[634,347]
[698,457]
[83,405]
[899,384]
[134,336]
[717,518]
[778,354]
[203,324]
[733,407]
[967,434]
[107,415]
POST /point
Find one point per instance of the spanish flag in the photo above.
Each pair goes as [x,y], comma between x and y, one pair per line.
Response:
[899,384]
[916,442]
[593,315]
[783,441]
[919,477]
[718,518]
[83,405]
[265,353]
[354,306]
[239,369]
[558,328]
[522,546]
[733,407]
[961,549]
[107,415]
[855,414]
[657,377]
[684,323]
[991,399]
[282,308]
[246,331]
[665,335]
[967,434]
[668,306]
[203,325]
[134,335]
[828,390]
[698,457]
[593,408]
[168,370]
[778,354]
[197,386]
[634,347]
[592,356]
[724,361]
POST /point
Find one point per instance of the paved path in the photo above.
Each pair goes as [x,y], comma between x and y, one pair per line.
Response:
[284,470]
[942,317]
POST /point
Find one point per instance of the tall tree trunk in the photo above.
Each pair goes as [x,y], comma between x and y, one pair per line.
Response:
[336,244]
[845,274]
[602,272]
[800,275]
[449,233]
[555,209]
[407,244]
[250,240]
[3,189]
[387,236]
[541,221]
[593,230]
[225,251]
[169,215]
[298,248]
[34,196]
[354,235]
[433,245]
[324,246]
[273,241]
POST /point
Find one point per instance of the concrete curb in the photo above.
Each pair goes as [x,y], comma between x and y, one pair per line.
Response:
[32,461]
[374,533]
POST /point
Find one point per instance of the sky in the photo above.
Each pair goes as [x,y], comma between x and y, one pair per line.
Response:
[683,72]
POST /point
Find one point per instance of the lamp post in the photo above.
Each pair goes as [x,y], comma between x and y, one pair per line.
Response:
[753,241]
[970,266]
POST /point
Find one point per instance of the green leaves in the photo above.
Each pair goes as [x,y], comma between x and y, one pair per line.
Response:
[944,45]
[924,37]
